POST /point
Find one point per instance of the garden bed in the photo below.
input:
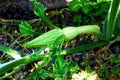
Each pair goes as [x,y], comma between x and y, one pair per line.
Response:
[101,62]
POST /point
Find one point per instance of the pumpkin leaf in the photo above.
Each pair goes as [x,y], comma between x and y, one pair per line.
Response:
[85,9]
[75,5]
[39,10]
[26,29]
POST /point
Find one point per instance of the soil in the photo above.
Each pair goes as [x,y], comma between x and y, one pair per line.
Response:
[23,9]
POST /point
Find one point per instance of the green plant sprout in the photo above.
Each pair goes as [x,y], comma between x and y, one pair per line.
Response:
[57,36]
[39,10]
[26,29]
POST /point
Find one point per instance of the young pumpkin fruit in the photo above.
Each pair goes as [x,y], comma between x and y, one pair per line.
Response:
[58,35]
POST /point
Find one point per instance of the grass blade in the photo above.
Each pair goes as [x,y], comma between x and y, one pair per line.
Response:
[112,16]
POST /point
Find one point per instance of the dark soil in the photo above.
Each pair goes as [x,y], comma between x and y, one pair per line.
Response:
[16,9]
[23,9]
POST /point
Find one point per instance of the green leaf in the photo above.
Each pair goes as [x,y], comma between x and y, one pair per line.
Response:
[112,17]
[115,70]
[46,39]
[75,5]
[117,38]
[103,69]
[85,9]
[119,56]
[77,18]
[118,22]
[83,1]
[115,59]
[26,29]
[39,10]
[61,66]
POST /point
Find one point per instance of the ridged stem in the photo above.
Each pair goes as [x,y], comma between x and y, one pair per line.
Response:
[28,59]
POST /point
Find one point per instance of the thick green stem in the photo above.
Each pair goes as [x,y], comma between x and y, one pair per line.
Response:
[18,62]
[10,65]
[28,59]
[112,16]
[83,47]
[15,54]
